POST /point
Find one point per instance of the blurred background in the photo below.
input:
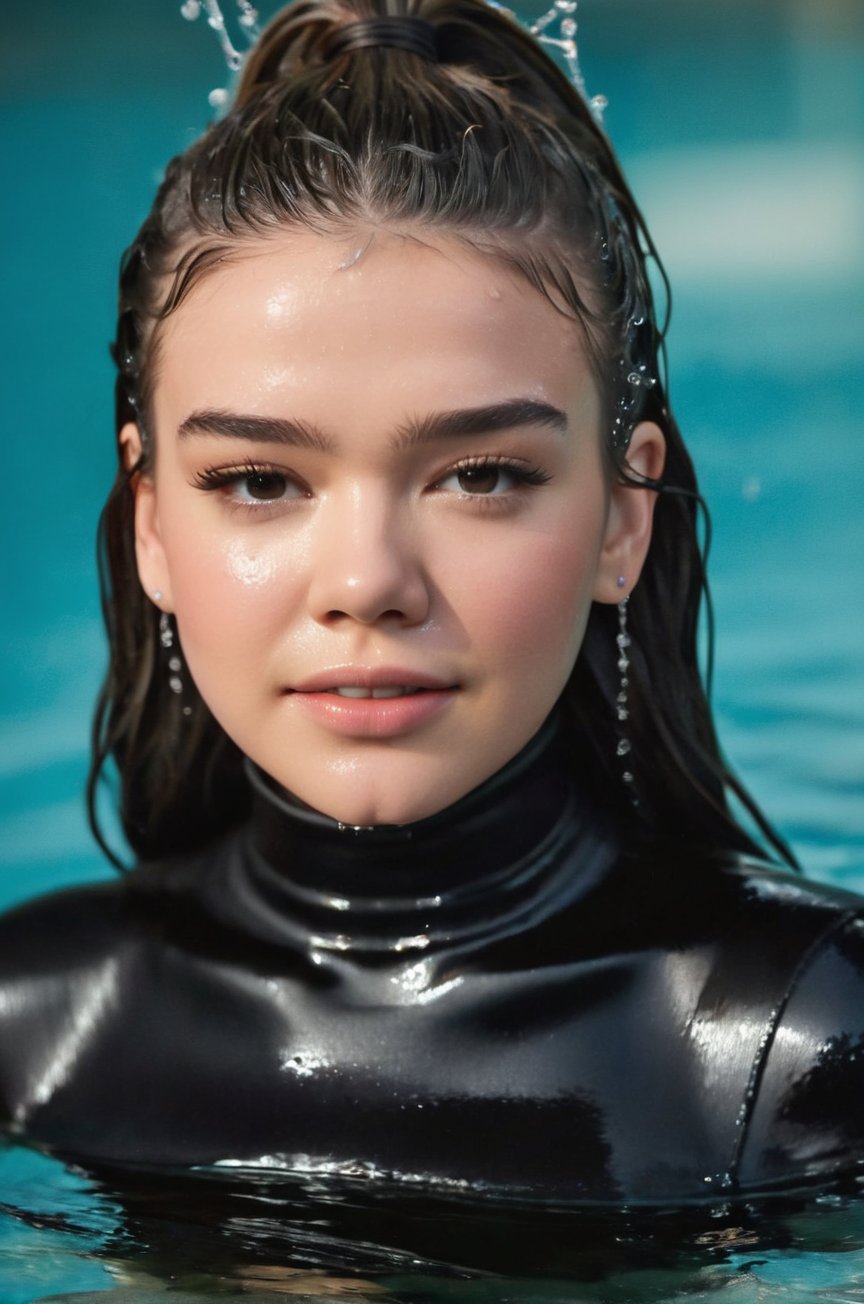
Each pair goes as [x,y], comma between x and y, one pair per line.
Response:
[740,124]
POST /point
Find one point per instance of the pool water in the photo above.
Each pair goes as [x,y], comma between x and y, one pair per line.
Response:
[740,125]
[192,1237]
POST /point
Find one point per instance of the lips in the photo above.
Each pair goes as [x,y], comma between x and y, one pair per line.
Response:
[379,703]
[391,690]
[376,682]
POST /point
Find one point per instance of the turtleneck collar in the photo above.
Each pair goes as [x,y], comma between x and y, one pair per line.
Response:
[492,864]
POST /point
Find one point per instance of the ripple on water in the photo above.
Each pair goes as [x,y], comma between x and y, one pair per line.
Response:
[146,1236]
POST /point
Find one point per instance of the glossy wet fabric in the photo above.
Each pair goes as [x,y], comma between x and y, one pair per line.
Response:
[498,998]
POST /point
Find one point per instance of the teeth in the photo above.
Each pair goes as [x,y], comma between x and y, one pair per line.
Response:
[394,690]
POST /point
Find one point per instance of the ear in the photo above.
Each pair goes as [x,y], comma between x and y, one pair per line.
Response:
[149,554]
[631,512]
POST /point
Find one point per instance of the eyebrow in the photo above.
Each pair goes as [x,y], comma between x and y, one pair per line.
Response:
[263,430]
[486,420]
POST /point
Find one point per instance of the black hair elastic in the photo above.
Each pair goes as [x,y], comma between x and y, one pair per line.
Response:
[402,33]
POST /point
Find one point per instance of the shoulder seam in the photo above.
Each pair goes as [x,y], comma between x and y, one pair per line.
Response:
[760,1059]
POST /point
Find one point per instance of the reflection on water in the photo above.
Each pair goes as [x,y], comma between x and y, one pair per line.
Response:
[150,1236]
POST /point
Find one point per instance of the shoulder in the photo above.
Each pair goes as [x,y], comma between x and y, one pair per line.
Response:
[807,1115]
[61,929]
[71,962]
[767,970]
[752,916]
[58,954]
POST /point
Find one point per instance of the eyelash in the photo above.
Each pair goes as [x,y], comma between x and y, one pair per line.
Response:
[526,476]
[214,478]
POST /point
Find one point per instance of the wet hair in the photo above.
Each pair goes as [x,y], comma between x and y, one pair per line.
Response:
[489,144]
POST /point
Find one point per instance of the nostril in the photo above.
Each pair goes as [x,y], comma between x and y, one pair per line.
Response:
[391,613]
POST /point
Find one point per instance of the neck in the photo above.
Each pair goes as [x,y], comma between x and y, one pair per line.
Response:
[485,867]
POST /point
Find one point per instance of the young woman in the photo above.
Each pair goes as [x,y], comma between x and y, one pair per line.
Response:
[437,874]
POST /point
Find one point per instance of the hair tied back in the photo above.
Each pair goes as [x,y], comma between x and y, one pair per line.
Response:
[400,32]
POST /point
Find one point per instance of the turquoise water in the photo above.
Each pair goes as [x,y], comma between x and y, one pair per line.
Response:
[741,126]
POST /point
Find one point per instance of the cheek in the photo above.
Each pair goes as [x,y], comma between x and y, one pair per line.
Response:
[529,604]
[230,593]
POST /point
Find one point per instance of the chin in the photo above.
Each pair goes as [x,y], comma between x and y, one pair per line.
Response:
[405,796]
[388,809]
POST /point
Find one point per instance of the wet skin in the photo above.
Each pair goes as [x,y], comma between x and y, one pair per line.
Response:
[379,468]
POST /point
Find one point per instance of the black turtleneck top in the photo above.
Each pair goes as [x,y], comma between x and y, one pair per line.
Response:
[495,999]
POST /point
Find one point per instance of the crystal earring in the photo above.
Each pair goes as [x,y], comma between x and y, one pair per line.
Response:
[175,665]
[622,701]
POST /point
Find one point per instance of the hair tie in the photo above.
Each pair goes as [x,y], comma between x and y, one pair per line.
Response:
[402,33]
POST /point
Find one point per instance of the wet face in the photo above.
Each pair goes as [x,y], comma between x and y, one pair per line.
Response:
[379,513]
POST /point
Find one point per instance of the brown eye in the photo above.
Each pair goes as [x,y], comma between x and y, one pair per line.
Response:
[479,479]
[265,486]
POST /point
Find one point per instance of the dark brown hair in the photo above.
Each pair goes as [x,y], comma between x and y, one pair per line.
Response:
[493,145]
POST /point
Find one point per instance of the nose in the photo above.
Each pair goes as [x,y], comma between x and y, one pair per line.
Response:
[365,565]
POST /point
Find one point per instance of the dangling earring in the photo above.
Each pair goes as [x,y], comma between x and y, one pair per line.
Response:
[175,664]
[622,701]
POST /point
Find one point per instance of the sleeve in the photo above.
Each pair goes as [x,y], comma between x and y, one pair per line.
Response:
[806,1123]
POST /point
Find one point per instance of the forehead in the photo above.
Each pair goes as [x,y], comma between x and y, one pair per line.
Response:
[315,317]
